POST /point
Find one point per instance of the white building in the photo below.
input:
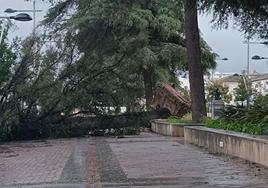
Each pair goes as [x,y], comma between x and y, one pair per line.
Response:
[260,84]
[231,82]
[184,78]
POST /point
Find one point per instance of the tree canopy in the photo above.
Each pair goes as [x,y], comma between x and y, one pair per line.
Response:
[96,56]
[143,40]
[249,16]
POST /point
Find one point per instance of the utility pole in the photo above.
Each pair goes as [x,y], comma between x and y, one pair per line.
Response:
[248,56]
[34,16]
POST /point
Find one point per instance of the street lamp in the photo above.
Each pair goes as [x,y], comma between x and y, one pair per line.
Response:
[19,17]
[218,59]
[256,57]
[223,59]
[10,10]
[23,17]
[248,42]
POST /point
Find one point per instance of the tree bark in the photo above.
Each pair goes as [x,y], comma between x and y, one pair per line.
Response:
[194,58]
[148,85]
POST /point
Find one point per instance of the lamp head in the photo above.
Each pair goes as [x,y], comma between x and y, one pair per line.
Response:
[22,17]
[256,57]
[265,42]
[10,10]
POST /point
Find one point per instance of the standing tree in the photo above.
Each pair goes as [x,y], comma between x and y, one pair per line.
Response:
[194,57]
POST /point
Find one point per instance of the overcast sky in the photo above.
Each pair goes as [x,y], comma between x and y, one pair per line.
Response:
[226,43]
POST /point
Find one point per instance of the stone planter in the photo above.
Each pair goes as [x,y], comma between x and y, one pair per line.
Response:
[161,126]
[248,147]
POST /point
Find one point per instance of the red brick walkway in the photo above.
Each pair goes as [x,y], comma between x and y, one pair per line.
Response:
[93,174]
[34,162]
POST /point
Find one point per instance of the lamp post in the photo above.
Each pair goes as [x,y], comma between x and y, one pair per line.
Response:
[213,101]
[218,59]
[248,42]
[34,10]
[23,17]
[34,16]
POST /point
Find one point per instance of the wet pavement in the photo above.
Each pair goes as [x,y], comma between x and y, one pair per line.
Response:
[145,161]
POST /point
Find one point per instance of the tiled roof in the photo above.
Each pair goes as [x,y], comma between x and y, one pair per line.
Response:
[232,78]
[260,77]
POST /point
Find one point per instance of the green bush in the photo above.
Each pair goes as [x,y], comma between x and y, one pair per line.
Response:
[252,120]
[249,128]
[255,114]
[185,119]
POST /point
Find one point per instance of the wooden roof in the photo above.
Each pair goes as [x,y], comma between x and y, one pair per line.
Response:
[183,99]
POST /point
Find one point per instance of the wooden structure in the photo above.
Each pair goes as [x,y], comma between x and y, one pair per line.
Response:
[172,100]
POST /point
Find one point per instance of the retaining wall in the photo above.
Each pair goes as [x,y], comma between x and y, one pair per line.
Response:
[161,126]
[248,147]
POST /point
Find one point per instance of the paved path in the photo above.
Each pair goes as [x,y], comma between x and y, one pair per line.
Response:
[145,161]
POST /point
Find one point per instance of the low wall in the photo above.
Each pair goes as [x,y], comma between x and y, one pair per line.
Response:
[161,126]
[248,147]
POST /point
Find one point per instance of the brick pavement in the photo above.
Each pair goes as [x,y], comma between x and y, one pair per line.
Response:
[146,161]
[33,162]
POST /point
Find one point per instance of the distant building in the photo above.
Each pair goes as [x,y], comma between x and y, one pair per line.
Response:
[219,75]
[231,82]
[184,78]
[260,84]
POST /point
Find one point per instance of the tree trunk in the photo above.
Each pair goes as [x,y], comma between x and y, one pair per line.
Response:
[147,78]
[194,58]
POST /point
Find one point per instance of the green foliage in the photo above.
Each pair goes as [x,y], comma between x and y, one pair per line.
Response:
[136,37]
[30,98]
[7,59]
[253,120]
[185,119]
[256,113]
[224,91]
[244,90]
[250,16]
[250,128]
